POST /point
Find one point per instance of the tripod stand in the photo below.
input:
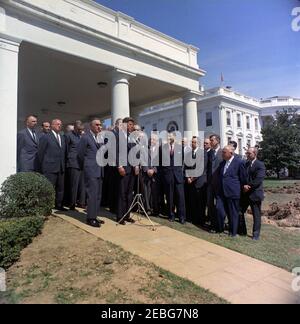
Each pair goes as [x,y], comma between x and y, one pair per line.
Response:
[138,201]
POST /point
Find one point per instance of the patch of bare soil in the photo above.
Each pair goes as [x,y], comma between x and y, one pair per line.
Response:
[67,265]
[283,215]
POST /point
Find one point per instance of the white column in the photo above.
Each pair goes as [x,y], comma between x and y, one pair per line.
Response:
[190,112]
[120,94]
[222,121]
[9,55]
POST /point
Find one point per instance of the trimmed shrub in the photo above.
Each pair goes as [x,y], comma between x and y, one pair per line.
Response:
[16,234]
[26,194]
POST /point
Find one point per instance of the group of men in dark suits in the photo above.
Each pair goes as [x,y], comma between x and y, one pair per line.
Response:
[225,187]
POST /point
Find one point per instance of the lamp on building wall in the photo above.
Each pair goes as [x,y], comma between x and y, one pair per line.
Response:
[102,84]
[61,103]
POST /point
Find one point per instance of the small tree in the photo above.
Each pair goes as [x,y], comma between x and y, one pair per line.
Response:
[281,142]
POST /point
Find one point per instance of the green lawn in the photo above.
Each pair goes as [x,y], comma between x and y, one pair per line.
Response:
[274,183]
[277,246]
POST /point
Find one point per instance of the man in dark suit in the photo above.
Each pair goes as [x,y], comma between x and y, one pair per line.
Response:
[126,172]
[214,160]
[173,178]
[151,179]
[196,187]
[231,178]
[46,128]
[51,153]
[27,146]
[87,149]
[73,168]
[253,192]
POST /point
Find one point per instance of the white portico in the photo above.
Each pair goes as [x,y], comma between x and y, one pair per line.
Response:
[73,59]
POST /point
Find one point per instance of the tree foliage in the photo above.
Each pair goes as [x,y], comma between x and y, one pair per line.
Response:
[281,142]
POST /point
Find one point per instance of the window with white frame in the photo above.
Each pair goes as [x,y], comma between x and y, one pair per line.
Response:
[209,121]
[256,124]
[228,118]
[239,120]
[248,122]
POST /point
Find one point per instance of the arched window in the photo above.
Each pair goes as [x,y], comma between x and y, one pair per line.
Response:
[172,127]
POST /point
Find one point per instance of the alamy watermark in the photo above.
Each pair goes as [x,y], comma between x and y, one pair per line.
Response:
[296,280]
[296,20]
[2,280]
[153,151]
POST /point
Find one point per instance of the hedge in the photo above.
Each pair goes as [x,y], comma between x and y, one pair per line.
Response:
[25,195]
[16,234]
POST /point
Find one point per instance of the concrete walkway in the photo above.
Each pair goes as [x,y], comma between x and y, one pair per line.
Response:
[231,275]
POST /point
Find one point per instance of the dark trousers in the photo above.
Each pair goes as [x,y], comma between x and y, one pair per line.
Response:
[196,198]
[58,182]
[256,212]
[113,189]
[231,208]
[81,195]
[74,178]
[125,197]
[175,196]
[151,194]
[94,194]
[211,206]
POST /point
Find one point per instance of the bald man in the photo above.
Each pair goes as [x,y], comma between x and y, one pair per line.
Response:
[27,146]
[51,154]
[231,179]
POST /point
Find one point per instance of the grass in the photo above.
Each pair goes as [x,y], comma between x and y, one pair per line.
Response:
[274,183]
[277,246]
[54,269]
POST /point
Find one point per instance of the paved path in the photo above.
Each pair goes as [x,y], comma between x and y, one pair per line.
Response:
[231,275]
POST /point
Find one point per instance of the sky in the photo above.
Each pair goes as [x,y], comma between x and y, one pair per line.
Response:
[250,42]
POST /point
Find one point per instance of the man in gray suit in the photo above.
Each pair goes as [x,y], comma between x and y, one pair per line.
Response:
[51,153]
[93,173]
[27,146]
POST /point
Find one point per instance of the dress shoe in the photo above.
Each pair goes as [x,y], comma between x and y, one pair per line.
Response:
[61,208]
[121,222]
[130,220]
[93,223]
[100,221]
[73,208]
[182,222]
[171,220]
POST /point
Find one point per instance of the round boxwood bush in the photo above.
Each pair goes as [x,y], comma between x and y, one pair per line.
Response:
[26,194]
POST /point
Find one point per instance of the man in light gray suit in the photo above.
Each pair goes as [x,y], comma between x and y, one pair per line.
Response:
[27,146]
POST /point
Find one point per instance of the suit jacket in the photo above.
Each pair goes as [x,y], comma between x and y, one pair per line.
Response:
[172,172]
[72,141]
[27,151]
[121,139]
[230,183]
[200,181]
[87,152]
[51,155]
[255,178]
[213,164]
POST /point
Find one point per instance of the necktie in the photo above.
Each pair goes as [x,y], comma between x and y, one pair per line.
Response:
[172,150]
[58,139]
[226,167]
[97,143]
[194,155]
[34,135]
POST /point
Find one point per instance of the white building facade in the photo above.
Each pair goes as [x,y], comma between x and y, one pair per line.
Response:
[221,111]
[75,59]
